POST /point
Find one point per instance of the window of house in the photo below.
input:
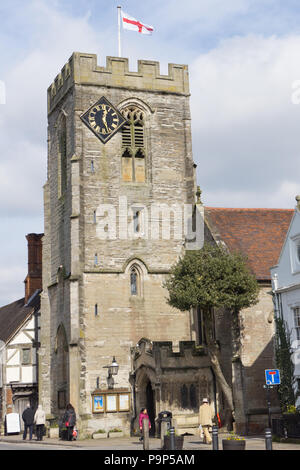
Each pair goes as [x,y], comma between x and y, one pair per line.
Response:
[26,356]
[298,252]
[296,311]
[133,146]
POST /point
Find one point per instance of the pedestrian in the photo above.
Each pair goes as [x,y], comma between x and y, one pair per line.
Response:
[28,419]
[69,419]
[40,421]
[143,415]
[205,420]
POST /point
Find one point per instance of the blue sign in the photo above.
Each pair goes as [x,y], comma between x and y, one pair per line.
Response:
[272,377]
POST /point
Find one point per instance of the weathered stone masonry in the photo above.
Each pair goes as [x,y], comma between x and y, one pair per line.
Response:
[76,343]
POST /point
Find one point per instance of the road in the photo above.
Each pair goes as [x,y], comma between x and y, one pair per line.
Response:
[27,446]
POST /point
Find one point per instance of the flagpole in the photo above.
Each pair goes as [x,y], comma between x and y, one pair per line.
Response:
[119,31]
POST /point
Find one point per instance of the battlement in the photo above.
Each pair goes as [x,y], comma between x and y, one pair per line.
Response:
[163,351]
[82,69]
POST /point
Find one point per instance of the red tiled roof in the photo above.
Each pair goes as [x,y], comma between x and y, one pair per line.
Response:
[258,233]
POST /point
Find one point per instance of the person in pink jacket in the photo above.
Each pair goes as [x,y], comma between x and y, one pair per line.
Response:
[143,415]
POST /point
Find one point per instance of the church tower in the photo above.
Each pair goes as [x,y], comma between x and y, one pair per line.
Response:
[120,182]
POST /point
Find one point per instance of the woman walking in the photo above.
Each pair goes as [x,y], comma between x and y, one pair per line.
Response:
[70,420]
[40,421]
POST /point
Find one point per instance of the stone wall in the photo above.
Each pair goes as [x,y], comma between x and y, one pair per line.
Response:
[92,300]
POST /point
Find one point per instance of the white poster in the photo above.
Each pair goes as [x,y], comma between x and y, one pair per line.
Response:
[13,423]
[111,403]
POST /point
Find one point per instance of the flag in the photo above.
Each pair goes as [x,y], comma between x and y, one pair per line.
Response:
[134,25]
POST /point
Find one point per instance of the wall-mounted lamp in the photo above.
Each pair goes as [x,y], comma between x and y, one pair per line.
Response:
[113,369]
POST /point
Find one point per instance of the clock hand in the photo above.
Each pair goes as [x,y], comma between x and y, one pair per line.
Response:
[104,118]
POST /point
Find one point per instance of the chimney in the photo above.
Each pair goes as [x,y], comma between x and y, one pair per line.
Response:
[33,279]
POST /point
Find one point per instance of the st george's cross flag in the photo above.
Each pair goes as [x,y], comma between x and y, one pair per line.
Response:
[134,25]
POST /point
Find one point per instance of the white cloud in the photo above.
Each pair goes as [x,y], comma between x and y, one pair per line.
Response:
[23,130]
[245,127]
[282,196]
[10,290]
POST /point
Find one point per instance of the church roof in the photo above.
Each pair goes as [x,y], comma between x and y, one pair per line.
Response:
[13,316]
[257,233]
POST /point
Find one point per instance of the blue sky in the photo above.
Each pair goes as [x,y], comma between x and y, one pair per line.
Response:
[243,57]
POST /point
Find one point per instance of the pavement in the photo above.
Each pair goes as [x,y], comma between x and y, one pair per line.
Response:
[191,443]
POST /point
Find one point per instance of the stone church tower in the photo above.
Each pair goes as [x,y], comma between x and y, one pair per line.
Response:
[106,249]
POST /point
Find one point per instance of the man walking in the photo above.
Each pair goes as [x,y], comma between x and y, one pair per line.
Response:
[205,420]
[28,418]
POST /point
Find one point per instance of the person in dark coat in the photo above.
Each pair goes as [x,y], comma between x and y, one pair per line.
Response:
[69,419]
[28,418]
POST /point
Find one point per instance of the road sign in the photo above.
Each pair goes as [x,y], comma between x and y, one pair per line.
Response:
[272,377]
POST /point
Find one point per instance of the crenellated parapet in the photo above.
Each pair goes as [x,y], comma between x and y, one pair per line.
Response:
[162,355]
[83,69]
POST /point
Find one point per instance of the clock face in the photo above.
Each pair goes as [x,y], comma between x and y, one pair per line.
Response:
[103,119]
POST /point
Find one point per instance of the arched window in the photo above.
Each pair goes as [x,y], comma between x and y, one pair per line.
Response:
[133,146]
[184,396]
[62,361]
[134,281]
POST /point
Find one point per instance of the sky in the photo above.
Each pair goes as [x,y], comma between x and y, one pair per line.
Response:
[244,65]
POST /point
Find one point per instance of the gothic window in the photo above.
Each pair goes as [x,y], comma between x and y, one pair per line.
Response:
[193,396]
[62,353]
[134,282]
[63,155]
[133,146]
[184,397]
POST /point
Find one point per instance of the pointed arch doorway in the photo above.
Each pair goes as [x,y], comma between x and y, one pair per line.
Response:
[150,404]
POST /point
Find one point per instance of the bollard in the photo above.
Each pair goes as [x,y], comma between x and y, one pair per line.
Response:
[215,438]
[172,438]
[163,432]
[268,435]
[146,434]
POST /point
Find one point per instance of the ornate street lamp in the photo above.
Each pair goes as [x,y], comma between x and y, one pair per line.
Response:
[113,369]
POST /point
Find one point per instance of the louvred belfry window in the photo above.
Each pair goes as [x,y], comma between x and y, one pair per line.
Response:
[133,146]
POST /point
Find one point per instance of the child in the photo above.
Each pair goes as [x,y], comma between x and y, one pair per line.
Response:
[143,415]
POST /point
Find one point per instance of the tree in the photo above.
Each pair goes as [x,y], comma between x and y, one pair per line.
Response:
[213,278]
[284,361]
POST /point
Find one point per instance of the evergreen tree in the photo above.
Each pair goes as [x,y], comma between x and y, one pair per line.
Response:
[285,364]
[213,278]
